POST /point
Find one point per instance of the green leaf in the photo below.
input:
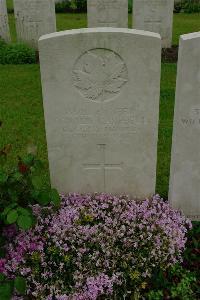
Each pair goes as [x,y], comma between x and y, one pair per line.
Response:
[12,194]
[24,222]
[38,165]
[12,216]
[3,177]
[29,159]
[35,194]
[23,211]
[55,197]
[17,176]
[2,277]
[8,208]
[5,291]
[20,285]
[2,253]
[2,239]
[37,182]
[44,198]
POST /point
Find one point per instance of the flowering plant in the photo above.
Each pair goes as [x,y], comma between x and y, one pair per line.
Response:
[95,246]
[19,189]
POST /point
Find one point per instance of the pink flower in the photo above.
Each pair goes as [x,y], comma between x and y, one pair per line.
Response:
[2,265]
[86,246]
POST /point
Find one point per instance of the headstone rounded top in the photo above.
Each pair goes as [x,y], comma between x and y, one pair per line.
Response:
[190,36]
[99,30]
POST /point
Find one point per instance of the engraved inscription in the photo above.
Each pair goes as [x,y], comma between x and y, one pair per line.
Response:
[123,120]
[154,25]
[193,120]
[192,217]
[108,12]
[153,19]
[100,74]
[108,4]
[102,165]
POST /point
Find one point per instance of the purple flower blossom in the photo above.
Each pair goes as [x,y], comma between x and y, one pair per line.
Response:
[2,265]
[95,244]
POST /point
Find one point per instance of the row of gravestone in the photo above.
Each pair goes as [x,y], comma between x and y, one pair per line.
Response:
[37,17]
[33,18]
[101,89]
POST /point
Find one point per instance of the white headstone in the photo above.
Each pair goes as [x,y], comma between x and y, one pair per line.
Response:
[107,13]
[155,16]
[4,25]
[185,166]
[101,103]
[34,18]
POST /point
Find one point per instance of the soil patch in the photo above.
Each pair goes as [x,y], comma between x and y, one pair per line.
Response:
[170,55]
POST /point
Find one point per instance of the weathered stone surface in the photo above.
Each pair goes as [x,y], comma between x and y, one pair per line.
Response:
[185,166]
[101,103]
[107,13]
[155,16]
[4,25]
[34,18]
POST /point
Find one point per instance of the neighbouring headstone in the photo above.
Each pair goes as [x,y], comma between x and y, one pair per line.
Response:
[107,13]
[155,16]
[34,18]
[101,104]
[4,25]
[185,166]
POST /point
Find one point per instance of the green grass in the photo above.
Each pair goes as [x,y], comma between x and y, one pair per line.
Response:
[9,4]
[167,95]
[12,27]
[21,111]
[22,119]
[183,23]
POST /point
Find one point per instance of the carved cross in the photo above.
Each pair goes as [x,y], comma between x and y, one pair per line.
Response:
[102,165]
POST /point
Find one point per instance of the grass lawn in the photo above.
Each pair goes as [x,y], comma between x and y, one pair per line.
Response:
[21,112]
[22,119]
[183,23]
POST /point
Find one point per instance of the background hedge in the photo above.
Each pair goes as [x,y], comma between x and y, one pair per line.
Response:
[16,54]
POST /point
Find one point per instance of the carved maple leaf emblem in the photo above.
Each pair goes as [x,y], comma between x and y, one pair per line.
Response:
[100,74]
